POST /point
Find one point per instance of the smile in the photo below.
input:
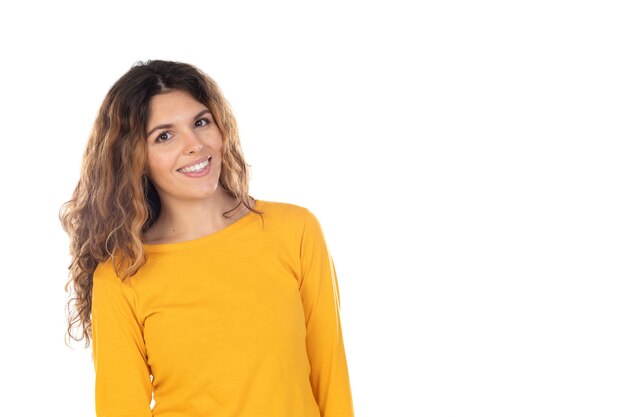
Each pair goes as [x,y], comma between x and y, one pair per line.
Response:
[195,168]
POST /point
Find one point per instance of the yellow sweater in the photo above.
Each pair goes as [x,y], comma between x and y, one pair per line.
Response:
[243,322]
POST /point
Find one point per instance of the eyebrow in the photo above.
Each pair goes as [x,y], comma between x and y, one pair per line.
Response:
[169,125]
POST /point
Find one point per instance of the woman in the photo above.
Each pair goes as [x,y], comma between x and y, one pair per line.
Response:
[200,299]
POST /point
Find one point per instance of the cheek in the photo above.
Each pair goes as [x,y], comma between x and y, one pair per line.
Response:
[215,139]
[158,164]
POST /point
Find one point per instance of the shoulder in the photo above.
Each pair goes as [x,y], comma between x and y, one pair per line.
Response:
[108,285]
[290,214]
[296,222]
[105,274]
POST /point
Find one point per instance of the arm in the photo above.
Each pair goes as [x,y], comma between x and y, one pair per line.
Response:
[123,386]
[320,298]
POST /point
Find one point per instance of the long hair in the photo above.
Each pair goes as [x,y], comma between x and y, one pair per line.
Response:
[115,202]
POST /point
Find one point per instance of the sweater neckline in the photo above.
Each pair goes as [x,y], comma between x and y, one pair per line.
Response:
[229,229]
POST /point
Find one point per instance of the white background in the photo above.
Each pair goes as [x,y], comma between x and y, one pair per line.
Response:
[465,159]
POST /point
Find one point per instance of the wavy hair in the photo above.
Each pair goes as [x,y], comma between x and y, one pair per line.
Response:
[115,202]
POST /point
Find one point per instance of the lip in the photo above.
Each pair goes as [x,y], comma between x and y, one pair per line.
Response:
[194,163]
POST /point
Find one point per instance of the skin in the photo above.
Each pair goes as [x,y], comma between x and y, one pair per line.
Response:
[191,207]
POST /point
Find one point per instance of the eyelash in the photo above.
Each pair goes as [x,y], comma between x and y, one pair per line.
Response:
[159,140]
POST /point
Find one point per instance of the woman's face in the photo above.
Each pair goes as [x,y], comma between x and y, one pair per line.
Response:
[182,136]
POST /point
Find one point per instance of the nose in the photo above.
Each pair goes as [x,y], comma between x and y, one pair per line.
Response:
[193,144]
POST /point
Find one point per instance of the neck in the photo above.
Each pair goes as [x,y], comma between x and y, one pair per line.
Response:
[187,220]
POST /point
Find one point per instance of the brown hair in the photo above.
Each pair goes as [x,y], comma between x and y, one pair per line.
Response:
[114,201]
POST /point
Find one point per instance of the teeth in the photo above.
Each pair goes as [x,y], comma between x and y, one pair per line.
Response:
[196,167]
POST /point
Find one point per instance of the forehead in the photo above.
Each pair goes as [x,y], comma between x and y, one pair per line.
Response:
[171,105]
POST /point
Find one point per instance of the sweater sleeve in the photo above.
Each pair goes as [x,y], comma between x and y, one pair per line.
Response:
[123,387]
[324,341]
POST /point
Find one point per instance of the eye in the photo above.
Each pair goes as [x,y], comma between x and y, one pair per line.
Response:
[206,121]
[162,137]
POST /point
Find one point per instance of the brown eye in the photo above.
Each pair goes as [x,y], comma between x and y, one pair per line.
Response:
[162,137]
[205,120]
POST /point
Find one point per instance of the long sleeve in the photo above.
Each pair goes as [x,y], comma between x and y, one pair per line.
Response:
[324,341]
[122,387]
